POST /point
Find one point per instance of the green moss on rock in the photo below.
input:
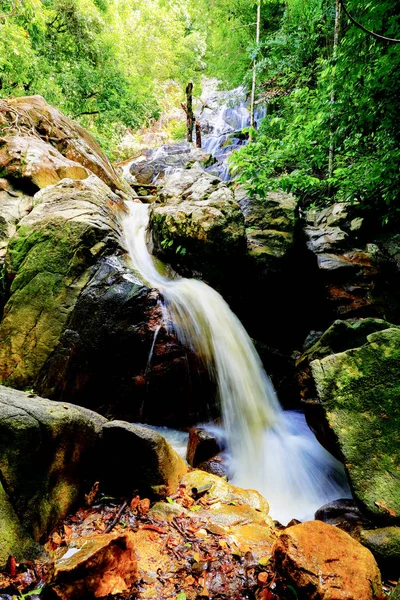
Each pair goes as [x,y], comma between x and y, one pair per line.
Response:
[359,390]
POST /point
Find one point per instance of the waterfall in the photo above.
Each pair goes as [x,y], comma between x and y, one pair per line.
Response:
[272,451]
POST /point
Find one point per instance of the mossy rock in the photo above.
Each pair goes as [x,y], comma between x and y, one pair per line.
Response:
[384,544]
[46,457]
[49,260]
[359,391]
[14,539]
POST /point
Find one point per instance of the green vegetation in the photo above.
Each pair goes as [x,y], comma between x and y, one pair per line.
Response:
[103,62]
[331,132]
[346,103]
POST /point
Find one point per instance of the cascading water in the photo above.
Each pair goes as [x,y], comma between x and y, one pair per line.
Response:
[272,451]
[225,116]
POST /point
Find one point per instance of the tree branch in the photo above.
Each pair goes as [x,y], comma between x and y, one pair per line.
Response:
[372,33]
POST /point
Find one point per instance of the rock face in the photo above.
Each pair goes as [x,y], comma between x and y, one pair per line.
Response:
[48,260]
[115,355]
[325,563]
[198,224]
[355,268]
[45,450]
[270,227]
[154,467]
[154,165]
[339,337]
[358,390]
[40,121]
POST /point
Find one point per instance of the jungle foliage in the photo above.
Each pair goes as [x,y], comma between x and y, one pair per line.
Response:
[103,62]
[316,100]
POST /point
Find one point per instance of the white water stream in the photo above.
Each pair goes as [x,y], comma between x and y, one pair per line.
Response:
[272,451]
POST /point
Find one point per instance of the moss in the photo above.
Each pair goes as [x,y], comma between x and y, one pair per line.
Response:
[359,390]
[14,540]
[51,265]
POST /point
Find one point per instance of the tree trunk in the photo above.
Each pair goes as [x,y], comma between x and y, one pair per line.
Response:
[198,134]
[189,112]
[253,87]
[333,95]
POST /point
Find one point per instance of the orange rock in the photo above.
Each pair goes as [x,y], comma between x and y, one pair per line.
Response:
[95,567]
[325,563]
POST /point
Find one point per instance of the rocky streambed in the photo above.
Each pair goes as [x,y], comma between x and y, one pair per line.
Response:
[318,292]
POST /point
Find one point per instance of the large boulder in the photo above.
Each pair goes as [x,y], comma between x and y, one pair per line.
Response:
[39,122]
[197,224]
[358,390]
[322,562]
[48,259]
[340,336]
[116,356]
[154,467]
[47,461]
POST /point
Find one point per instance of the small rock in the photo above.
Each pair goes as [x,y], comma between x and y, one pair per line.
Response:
[218,465]
[324,563]
[96,567]
[202,445]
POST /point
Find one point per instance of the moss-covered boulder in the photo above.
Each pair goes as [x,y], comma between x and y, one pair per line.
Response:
[270,227]
[48,260]
[197,224]
[384,544]
[359,391]
[46,462]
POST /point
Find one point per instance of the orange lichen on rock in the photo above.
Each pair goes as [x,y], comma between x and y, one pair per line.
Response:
[324,563]
[96,567]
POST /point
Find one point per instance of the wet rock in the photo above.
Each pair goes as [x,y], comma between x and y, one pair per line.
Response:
[242,514]
[344,514]
[270,227]
[322,562]
[115,355]
[217,465]
[154,467]
[358,391]
[354,263]
[46,460]
[198,226]
[384,544]
[202,445]
[96,567]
